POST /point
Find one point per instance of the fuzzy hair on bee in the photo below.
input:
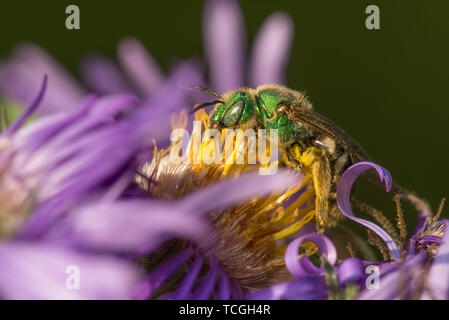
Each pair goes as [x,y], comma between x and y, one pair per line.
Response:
[309,142]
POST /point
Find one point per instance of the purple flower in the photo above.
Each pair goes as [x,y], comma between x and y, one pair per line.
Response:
[44,172]
[413,260]
[51,167]
[418,270]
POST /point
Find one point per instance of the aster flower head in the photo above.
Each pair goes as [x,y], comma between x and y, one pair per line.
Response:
[42,165]
[51,167]
[413,268]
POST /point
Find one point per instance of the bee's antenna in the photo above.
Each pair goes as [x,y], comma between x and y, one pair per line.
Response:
[204,105]
[209,91]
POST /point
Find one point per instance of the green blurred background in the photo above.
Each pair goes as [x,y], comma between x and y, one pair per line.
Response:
[388,88]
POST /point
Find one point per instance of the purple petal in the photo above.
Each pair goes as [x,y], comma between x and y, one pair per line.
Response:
[231,192]
[140,66]
[224,44]
[184,290]
[351,270]
[304,267]
[35,134]
[271,50]
[161,274]
[174,94]
[77,171]
[389,285]
[103,76]
[311,288]
[206,287]
[344,199]
[224,287]
[23,72]
[438,278]
[135,226]
[31,271]
[147,224]
[30,110]
[428,240]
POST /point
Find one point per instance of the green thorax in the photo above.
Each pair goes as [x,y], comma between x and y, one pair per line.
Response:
[267,103]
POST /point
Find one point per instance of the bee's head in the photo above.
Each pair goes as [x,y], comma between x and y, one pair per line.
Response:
[235,109]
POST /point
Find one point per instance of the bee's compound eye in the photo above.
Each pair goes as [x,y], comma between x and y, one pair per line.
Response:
[234,113]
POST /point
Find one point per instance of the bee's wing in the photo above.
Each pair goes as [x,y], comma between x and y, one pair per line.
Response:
[321,124]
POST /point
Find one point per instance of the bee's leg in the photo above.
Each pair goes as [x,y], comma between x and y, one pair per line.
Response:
[334,212]
[314,161]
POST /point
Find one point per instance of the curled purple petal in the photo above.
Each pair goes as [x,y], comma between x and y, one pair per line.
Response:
[224,44]
[344,199]
[304,267]
[271,50]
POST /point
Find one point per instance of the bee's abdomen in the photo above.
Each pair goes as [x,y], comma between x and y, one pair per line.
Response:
[338,157]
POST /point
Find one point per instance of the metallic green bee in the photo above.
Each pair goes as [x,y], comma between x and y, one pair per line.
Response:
[308,141]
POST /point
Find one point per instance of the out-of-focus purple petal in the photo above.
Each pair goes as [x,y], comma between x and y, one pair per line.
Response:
[147,224]
[140,66]
[35,134]
[30,110]
[351,270]
[173,95]
[224,44]
[271,50]
[131,226]
[304,267]
[23,72]
[32,271]
[161,274]
[390,284]
[92,159]
[311,288]
[103,76]
[344,199]
[438,278]
[230,192]
[54,141]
